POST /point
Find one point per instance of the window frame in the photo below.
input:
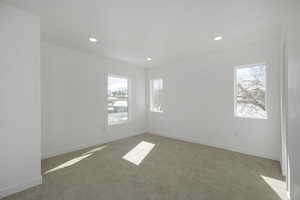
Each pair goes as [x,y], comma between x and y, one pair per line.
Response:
[235,90]
[151,94]
[128,99]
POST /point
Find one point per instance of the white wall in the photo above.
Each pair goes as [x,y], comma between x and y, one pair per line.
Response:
[283,103]
[293,136]
[20,120]
[199,106]
[74,86]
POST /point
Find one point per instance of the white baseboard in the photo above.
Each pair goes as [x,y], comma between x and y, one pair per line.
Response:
[20,187]
[69,149]
[86,145]
[225,147]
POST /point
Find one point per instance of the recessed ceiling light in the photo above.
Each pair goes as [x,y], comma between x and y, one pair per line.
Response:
[91,39]
[218,38]
[149,59]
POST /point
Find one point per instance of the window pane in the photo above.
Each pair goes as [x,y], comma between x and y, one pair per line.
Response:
[251,92]
[156,95]
[117,99]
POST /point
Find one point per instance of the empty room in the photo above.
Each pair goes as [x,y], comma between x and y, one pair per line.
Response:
[149,100]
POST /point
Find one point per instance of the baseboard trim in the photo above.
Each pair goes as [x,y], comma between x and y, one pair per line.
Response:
[87,145]
[20,187]
[225,147]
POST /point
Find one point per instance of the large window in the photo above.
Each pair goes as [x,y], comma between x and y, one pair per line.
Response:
[117,99]
[250,91]
[156,89]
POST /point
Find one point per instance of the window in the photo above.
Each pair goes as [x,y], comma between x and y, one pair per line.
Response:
[117,100]
[156,89]
[250,91]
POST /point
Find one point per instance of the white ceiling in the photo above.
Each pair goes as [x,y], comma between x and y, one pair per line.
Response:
[132,30]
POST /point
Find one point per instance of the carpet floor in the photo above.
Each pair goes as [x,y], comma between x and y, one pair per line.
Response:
[151,167]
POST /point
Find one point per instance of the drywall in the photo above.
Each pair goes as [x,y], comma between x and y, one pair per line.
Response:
[283,104]
[20,119]
[293,66]
[199,106]
[74,92]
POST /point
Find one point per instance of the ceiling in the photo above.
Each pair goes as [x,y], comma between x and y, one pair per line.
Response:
[165,30]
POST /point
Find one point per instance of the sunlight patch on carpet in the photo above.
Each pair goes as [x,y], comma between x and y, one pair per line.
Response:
[139,152]
[68,163]
[278,186]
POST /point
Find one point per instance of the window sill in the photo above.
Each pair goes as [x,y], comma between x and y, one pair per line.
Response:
[119,123]
[253,118]
[156,111]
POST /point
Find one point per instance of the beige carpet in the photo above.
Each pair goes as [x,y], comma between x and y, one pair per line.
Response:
[173,170]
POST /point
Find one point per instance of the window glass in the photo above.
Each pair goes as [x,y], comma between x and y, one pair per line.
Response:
[156,89]
[250,91]
[117,99]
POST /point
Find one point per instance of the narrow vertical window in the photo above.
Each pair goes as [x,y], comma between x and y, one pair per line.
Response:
[117,100]
[250,91]
[156,89]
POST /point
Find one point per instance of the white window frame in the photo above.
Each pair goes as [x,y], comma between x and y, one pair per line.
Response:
[151,94]
[235,91]
[129,99]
